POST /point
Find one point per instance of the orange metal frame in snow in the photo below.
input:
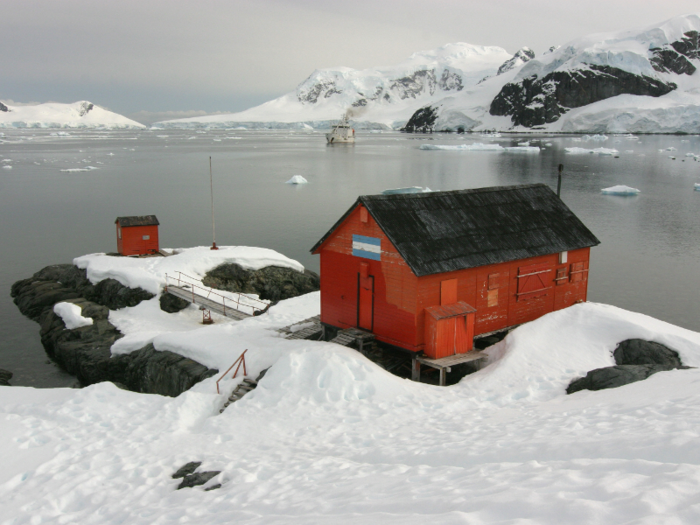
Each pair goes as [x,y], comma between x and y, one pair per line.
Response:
[240,361]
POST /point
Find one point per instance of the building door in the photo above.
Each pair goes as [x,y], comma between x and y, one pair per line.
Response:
[365,299]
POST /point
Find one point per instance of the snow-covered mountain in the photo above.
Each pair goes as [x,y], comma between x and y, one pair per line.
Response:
[81,114]
[382,96]
[643,80]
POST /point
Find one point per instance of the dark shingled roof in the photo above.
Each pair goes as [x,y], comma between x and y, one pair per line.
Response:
[141,220]
[452,230]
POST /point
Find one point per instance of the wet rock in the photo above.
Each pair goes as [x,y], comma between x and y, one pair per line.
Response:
[271,283]
[187,469]
[641,352]
[5,377]
[200,478]
[614,376]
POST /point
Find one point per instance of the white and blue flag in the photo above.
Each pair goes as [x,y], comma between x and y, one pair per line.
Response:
[367,247]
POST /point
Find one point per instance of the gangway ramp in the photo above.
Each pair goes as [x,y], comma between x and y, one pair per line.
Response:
[233,305]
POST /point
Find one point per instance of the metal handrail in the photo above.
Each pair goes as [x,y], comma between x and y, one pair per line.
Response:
[240,360]
[210,292]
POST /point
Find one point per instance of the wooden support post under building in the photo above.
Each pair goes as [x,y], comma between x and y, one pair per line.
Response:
[415,370]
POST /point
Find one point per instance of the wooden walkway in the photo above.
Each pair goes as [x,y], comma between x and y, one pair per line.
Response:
[444,364]
[351,336]
[242,389]
[185,292]
[310,328]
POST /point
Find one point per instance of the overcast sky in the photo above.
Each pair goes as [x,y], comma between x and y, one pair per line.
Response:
[155,59]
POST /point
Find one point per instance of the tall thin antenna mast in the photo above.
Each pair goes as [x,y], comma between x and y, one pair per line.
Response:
[561,167]
[213,224]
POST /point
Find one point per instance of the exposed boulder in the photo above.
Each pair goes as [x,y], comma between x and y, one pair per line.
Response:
[171,304]
[614,376]
[5,377]
[641,352]
[272,283]
[636,360]
[535,101]
[4,108]
[422,121]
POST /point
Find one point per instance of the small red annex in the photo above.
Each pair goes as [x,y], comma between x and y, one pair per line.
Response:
[427,272]
[137,235]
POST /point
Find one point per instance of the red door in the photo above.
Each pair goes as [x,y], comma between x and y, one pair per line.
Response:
[365,304]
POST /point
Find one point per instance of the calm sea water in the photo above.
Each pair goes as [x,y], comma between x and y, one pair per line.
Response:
[648,260]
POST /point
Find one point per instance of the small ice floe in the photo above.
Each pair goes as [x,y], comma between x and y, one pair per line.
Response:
[629,136]
[74,170]
[672,157]
[60,134]
[7,167]
[110,154]
[491,135]
[191,138]
[162,136]
[217,140]
[477,146]
[596,151]
[620,190]
[697,186]
[596,138]
[410,189]
[297,179]
[7,160]
[523,149]
[71,315]
[526,143]
[692,155]
[548,144]
[670,148]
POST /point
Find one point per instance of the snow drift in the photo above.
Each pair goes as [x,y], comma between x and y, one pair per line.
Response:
[55,115]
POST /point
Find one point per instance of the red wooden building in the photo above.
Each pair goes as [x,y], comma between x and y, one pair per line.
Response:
[137,235]
[427,272]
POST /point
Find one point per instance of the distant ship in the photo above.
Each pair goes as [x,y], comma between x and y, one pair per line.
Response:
[342,132]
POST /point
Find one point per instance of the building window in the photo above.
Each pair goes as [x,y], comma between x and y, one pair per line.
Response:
[146,237]
[119,232]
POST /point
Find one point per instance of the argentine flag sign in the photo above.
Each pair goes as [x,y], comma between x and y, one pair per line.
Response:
[367,247]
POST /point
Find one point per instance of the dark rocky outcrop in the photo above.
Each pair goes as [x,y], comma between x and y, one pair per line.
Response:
[523,55]
[537,101]
[4,108]
[674,57]
[412,86]
[171,304]
[272,283]
[186,469]
[61,282]
[199,478]
[422,121]
[641,352]
[636,359]
[85,108]
[5,377]
[85,352]
[614,376]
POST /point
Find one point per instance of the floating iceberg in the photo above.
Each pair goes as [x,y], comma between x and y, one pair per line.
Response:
[523,149]
[410,189]
[597,138]
[599,151]
[477,146]
[7,167]
[297,179]
[697,186]
[75,170]
[620,190]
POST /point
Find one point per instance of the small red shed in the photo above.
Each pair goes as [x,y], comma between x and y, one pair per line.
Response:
[137,235]
[427,272]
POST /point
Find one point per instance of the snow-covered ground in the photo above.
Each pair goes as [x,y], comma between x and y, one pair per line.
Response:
[329,437]
[56,115]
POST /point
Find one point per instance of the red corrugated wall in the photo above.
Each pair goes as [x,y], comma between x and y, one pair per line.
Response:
[133,243]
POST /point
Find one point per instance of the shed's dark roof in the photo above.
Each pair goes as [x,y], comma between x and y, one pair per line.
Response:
[445,231]
[140,220]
